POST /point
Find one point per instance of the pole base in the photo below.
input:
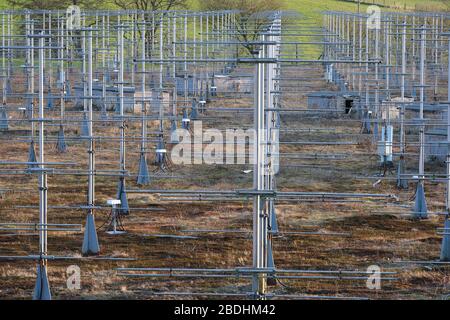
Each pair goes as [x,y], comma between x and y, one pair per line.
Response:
[273,221]
[401,183]
[143,176]
[61,142]
[90,242]
[31,154]
[420,206]
[85,126]
[42,287]
[445,246]
[3,119]
[122,196]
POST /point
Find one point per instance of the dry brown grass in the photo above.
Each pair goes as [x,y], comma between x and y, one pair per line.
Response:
[376,237]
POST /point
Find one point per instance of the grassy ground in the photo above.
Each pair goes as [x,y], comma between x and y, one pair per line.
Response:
[378,232]
[311,7]
[419,5]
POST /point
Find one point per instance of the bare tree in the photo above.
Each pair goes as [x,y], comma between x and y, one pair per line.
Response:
[251,16]
[55,4]
[150,5]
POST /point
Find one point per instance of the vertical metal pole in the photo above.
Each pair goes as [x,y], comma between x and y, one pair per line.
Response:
[121,194]
[207,34]
[402,107]
[4,61]
[143,177]
[32,80]
[360,57]
[387,39]
[133,50]
[104,69]
[201,36]
[413,41]
[347,39]
[194,21]
[83,48]
[367,100]
[43,173]
[62,77]
[10,51]
[174,46]
[422,88]
[420,207]
[153,33]
[91,152]
[186,87]
[377,86]
[90,242]
[50,71]
[259,218]
[436,49]
[161,56]
[144,93]
[42,288]
[60,144]
[353,43]
[402,92]
[447,203]
[121,111]
[445,246]
[194,77]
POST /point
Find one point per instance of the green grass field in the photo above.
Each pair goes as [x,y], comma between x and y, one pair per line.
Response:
[431,5]
[312,8]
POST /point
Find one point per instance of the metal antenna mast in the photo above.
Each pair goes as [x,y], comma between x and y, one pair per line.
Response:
[420,207]
[30,66]
[3,115]
[90,242]
[42,288]
[401,182]
[121,193]
[61,144]
[143,176]
[260,218]
[445,246]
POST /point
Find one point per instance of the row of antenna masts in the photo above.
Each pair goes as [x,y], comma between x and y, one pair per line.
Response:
[176,50]
[411,52]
